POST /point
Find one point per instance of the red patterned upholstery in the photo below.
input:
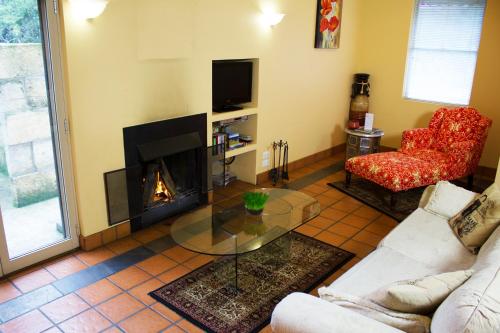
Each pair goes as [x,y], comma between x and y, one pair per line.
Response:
[449,148]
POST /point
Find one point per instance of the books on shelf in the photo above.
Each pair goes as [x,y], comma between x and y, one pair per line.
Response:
[218,138]
[231,140]
[235,145]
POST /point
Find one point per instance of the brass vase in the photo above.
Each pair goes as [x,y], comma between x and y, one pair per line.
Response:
[359,98]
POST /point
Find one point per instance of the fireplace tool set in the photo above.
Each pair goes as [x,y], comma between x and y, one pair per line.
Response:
[281,170]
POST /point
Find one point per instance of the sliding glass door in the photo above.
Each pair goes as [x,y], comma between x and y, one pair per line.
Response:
[37,206]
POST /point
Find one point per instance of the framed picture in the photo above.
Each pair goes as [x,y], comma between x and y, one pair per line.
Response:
[328,17]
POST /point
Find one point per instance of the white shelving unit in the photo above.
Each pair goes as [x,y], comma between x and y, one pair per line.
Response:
[245,163]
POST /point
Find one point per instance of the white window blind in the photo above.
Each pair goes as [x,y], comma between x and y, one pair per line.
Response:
[443,50]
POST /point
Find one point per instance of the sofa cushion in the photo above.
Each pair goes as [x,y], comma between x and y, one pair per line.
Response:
[447,199]
[422,295]
[489,255]
[304,313]
[476,222]
[380,268]
[426,196]
[475,306]
[407,322]
[428,239]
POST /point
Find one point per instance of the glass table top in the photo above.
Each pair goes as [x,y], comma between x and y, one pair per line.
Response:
[226,228]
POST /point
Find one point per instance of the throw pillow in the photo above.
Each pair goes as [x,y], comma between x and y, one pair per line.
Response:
[410,323]
[476,222]
[447,199]
[420,296]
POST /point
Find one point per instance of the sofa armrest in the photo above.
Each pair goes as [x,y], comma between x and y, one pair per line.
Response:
[304,313]
[417,138]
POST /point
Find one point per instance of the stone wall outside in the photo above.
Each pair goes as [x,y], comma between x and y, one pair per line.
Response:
[26,152]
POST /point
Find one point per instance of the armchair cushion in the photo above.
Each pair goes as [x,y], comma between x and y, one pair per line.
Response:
[462,157]
[417,138]
[398,171]
[460,124]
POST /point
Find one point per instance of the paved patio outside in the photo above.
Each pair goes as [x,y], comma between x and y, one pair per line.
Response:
[30,227]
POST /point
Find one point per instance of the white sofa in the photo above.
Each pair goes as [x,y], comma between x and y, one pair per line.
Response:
[423,244]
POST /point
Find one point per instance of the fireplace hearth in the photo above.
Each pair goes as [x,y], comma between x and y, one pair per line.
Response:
[166,171]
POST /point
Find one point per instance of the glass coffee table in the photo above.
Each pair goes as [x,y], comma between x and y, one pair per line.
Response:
[227,229]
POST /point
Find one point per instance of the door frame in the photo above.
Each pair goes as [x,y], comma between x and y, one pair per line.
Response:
[54,69]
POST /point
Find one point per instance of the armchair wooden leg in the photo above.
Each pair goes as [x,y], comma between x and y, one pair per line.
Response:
[470,182]
[348,177]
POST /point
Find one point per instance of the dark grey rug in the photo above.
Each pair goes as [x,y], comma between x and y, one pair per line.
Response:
[208,297]
[379,198]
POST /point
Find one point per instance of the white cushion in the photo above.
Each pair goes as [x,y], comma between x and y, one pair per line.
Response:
[410,323]
[472,308]
[475,306]
[447,199]
[379,268]
[420,296]
[427,238]
[489,254]
[426,196]
[303,313]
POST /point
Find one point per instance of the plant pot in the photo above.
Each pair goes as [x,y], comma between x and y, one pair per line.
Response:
[254,211]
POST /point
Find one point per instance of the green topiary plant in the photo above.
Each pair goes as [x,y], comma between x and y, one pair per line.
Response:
[255,201]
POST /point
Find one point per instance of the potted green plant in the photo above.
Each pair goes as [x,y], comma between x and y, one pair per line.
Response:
[255,202]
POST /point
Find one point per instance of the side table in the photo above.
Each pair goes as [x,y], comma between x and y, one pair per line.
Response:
[360,143]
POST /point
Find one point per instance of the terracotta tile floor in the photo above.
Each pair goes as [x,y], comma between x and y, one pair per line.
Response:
[119,303]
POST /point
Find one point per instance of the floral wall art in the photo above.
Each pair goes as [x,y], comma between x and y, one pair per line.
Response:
[328,17]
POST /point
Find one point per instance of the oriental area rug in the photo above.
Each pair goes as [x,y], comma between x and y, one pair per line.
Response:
[209,298]
[379,198]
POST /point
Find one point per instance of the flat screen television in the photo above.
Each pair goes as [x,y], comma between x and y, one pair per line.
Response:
[231,85]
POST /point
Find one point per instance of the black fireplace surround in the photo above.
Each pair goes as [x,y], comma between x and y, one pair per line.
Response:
[173,150]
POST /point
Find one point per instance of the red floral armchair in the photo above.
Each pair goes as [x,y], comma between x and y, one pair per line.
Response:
[449,148]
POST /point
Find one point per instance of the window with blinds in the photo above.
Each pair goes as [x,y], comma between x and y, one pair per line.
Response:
[442,50]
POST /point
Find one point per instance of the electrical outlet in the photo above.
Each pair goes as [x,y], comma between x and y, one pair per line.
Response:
[265,159]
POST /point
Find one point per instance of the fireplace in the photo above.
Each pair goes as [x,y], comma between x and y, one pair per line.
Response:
[166,171]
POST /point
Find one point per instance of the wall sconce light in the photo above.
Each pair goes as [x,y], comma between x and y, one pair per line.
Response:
[88,9]
[271,19]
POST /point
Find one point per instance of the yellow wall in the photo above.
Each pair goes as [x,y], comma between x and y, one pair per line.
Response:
[148,60]
[383,44]
[127,67]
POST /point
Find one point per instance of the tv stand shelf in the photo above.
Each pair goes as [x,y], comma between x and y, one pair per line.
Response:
[218,116]
[242,150]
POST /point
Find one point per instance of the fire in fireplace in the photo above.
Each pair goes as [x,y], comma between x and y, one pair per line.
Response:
[159,187]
